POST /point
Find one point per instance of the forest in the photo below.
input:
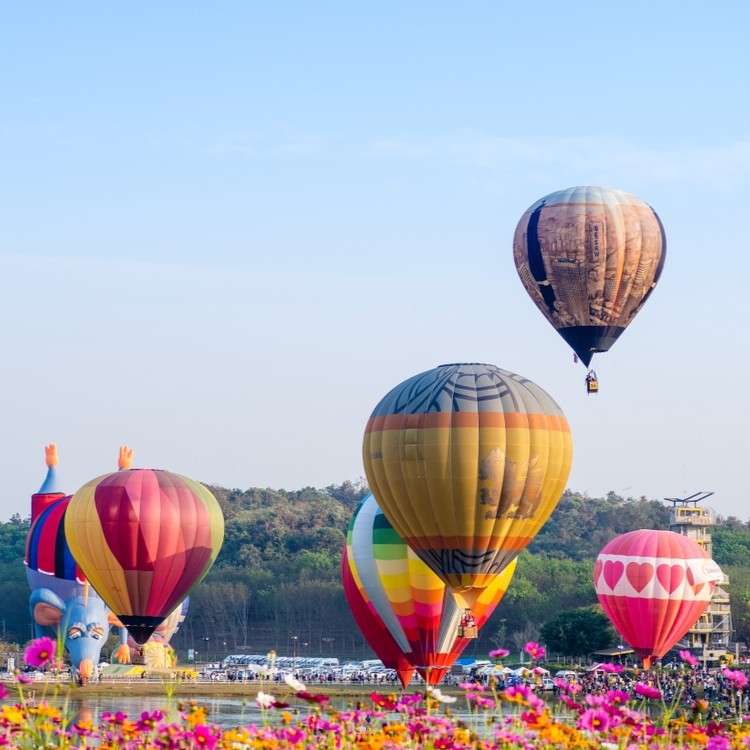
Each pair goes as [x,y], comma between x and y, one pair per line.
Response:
[276,582]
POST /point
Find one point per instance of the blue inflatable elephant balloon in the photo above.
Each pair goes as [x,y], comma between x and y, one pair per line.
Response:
[61,597]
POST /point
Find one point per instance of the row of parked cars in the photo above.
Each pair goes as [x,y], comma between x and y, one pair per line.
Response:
[318,669]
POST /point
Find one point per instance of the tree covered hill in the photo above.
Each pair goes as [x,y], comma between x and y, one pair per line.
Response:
[276,582]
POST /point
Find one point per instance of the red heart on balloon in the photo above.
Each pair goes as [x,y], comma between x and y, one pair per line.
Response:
[613,570]
[639,575]
[670,576]
[691,580]
[597,571]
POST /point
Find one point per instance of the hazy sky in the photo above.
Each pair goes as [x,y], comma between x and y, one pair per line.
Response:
[227,229]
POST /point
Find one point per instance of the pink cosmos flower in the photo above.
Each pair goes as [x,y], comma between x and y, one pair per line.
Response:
[688,658]
[535,651]
[718,742]
[594,720]
[205,736]
[310,698]
[570,703]
[596,700]
[149,721]
[646,691]
[499,653]
[617,697]
[480,701]
[517,692]
[40,653]
[611,668]
[737,678]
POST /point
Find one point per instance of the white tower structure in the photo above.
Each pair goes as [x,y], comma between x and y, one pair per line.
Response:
[711,635]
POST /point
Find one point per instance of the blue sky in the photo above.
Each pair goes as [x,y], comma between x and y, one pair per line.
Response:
[228,229]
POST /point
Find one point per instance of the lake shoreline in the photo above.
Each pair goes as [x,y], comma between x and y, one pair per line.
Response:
[190,690]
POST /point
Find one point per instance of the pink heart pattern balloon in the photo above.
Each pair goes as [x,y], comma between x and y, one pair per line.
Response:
[653,586]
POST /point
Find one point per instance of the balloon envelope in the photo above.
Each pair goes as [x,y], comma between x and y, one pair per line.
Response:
[653,586]
[589,257]
[144,538]
[467,462]
[419,611]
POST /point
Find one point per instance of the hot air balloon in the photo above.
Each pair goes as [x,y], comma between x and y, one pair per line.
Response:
[144,538]
[467,462]
[653,586]
[589,257]
[421,614]
[372,626]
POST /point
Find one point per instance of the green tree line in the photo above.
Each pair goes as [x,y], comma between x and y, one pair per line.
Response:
[276,582]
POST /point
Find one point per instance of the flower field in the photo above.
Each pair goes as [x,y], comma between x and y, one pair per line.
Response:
[481,716]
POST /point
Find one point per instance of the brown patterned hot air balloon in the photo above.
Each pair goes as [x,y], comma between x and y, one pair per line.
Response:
[589,257]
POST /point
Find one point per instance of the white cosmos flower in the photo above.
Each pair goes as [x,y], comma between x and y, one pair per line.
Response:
[437,694]
[265,700]
[294,683]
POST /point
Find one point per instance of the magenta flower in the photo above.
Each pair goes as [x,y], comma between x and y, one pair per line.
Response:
[617,697]
[205,736]
[594,720]
[499,653]
[40,653]
[718,742]
[480,701]
[149,721]
[535,651]
[612,668]
[688,658]
[310,698]
[570,703]
[736,678]
[646,691]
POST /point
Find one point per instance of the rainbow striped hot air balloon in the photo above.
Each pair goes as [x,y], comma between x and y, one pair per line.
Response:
[144,538]
[420,613]
[653,586]
[373,628]
[467,461]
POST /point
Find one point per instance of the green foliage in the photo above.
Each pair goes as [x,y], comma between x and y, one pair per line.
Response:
[278,575]
[731,547]
[578,632]
[580,526]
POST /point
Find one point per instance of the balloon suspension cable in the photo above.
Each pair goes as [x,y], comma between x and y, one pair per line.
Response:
[86,593]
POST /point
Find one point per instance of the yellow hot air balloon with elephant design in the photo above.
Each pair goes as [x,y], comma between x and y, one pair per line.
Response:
[467,461]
